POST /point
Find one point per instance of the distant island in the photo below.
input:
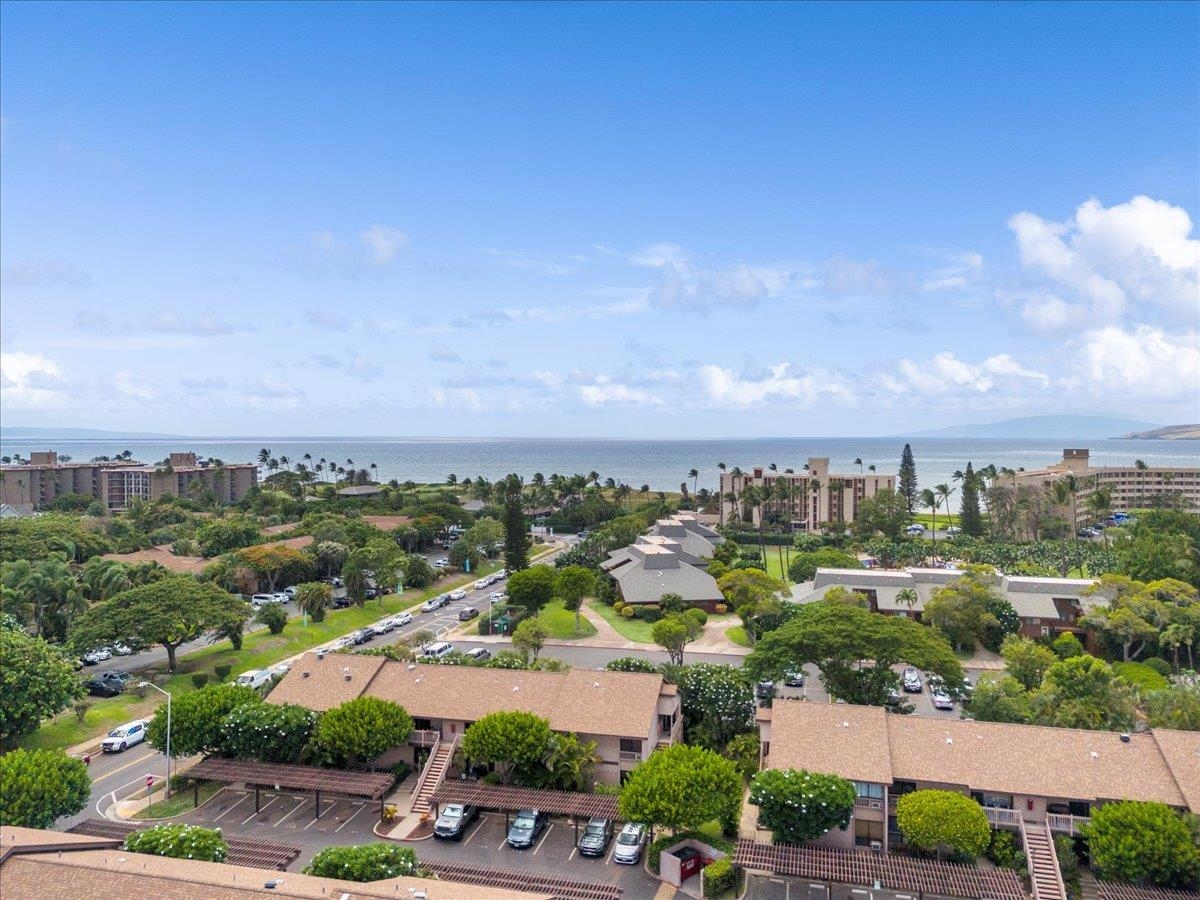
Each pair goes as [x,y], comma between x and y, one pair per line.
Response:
[1095,428]
[1166,433]
[27,433]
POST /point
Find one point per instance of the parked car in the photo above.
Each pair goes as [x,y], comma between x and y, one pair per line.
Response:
[497,597]
[483,583]
[525,828]
[255,678]
[290,591]
[967,687]
[434,603]
[104,687]
[341,603]
[912,680]
[438,650]
[99,655]
[479,653]
[122,649]
[124,736]
[953,529]
[120,674]
[941,699]
[596,835]
[502,574]
[383,626]
[260,600]
[630,842]
[403,618]
[363,635]
[443,562]
[794,679]
[764,690]
[281,597]
[467,613]
[453,821]
[279,669]
[337,582]
[458,594]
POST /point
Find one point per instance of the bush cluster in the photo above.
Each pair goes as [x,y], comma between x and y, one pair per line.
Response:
[719,877]
[1005,851]
[699,616]
[179,841]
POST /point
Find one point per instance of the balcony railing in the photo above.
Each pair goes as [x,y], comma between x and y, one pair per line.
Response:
[1066,824]
[997,816]
[868,802]
[423,738]
[629,756]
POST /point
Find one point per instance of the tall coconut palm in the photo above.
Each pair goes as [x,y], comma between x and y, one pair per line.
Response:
[930,500]
[1099,504]
[944,491]
[858,462]
[1140,465]
[694,474]
[263,455]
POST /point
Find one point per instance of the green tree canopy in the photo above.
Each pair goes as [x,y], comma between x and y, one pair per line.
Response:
[673,632]
[196,718]
[1026,660]
[717,701]
[361,729]
[170,612]
[512,740]
[885,513]
[837,638]
[217,536]
[531,589]
[1084,692]
[1144,842]
[804,565]
[267,732]
[179,841]
[999,698]
[313,598]
[364,862]
[274,616]
[935,820]
[960,609]
[36,682]
[39,786]
[571,585]
[630,664]
[683,787]
[754,595]
[530,636]
[907,484]
[1176,707]
[516,528]
[797,805]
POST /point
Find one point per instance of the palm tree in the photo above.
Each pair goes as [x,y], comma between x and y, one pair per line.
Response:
[374,469]
[871,467]
[930,500]
[263,455]
[908,597]
[858,462]
[285,462]
[944,491]
[720,505]
[1140,465]
[694,474]
[1099,504]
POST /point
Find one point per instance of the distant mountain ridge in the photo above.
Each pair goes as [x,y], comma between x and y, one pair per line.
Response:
[1045,427]
[22,433]
[1167,433]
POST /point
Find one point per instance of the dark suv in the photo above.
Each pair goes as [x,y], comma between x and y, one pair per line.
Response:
[596,835]
[467,613]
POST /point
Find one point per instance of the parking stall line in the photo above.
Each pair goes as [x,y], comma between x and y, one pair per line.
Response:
[574,850]
[503,843]
[288,815]
[260,810]
[549,829]
[482,821]
[241,799]
[351,819]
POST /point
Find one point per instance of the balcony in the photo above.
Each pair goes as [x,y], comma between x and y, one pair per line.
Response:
[1065,824]
[997,816]
[868,803]
[629,756]
[423,738]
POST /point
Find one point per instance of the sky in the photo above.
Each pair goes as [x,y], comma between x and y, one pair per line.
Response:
[625,220]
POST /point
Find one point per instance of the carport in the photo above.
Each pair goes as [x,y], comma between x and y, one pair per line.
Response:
[304,779]
[879,871]
[250,852]
[508,799]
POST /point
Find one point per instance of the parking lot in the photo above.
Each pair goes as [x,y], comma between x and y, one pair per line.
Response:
[554,853]
[922,703]
[290,817]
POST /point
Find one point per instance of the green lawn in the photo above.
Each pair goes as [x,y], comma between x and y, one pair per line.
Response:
[776,567]
[562,623]
[630,629]
[259,650]
[738,635]
[926,519]
[180,802]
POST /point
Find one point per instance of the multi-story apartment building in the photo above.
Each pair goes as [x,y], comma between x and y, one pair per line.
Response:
[1129,486]
[805,498]
[116,482]
[1026,777]
[627,714]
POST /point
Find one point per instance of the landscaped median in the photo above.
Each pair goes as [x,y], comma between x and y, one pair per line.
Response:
[260,650]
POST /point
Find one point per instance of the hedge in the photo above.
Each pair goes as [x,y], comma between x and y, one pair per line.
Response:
[719,877]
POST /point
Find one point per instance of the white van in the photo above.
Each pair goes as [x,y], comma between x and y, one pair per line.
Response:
[255,678]
[441,648]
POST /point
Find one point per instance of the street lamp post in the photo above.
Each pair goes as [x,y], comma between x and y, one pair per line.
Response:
[147,684]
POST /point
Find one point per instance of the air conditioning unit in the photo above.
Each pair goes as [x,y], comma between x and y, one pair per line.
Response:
[877,846]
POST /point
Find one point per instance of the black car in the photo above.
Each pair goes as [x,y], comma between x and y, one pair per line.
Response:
[596,835]
[453,822]
[363,635]
[525,828]
[104,687]
[119,674]
[764,690]
[341,602]
[467,613]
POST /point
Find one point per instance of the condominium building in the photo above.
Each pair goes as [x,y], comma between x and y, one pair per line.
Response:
[671,559]
[804,499]
[117,482]
[1129,486]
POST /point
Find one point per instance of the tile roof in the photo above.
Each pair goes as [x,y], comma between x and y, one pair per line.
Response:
[866,743]
[116,873]
[640,584]
[188,565]
[623,704]
[386,523]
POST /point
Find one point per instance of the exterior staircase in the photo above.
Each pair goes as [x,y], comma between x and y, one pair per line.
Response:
[433,775]
[1042,861]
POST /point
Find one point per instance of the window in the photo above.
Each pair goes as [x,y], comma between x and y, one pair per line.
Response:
[900,788]
[866,831]
[631,745]
[868,790]
[993,801]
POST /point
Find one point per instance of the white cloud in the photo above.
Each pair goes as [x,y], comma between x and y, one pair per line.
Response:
[455,398]
[271,392]
[544,263]
[383,242]
[1145,364]
[960,270]
[126,387]
[605,391]
[30,381]
[684,285]
[725,387]
[204,324]
[41,274]
[947,375]
[1135,252]
[439,352]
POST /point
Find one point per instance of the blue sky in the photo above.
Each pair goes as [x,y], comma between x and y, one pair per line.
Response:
[597,220]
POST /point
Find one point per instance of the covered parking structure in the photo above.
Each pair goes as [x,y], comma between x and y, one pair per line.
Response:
[557,886]
[242,851]
[916,877]
[280,777]
[507,799]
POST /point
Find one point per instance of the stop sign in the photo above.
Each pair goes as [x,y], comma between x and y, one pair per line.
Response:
[149,781]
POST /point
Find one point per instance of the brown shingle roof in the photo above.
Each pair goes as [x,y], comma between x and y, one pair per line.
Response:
[867,744]
[116,873]
[612,703]
[188,565]
[1181,750]
[386,523]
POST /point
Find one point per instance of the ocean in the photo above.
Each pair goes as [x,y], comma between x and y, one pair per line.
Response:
[661,464]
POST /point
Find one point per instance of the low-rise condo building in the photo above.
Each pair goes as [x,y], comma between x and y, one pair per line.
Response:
[116,483]
[671,559]
[1047,607]
[800,500]
[1024,776]
[1129,487]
